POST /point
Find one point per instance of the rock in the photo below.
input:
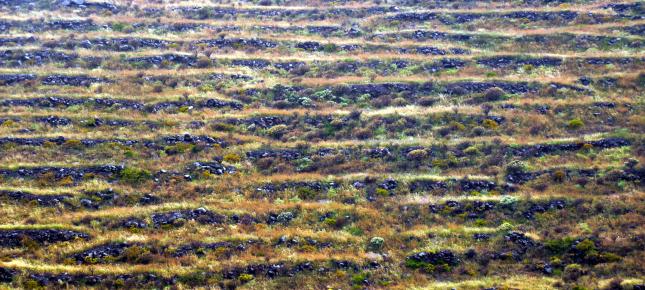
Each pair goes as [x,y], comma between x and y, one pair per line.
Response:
[55,121]
[462,88]
[42,200]
[115,44]
[377,152]
[18,58]
[198,248]
[548,269]
[134,223]
[278,153]
[518,61]
[389,184]
[212,167]
[520,239]
[11,79]
[544,149]
[476,185]
[438,258]
[6,275]
[428,50]
[108,171]
[283,218]
[358,185]
[427,185]
[99,253]
[585,81]
[201,215]
[52,102]
[238,43]
[252,63]
[481,236]
[323,30]
[543,207]
[289,66]
[164,59]
[483,206]
[14,238]
[65,80]
[19,41]
[147,199]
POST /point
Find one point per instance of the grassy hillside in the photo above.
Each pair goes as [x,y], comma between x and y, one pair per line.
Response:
[290,144]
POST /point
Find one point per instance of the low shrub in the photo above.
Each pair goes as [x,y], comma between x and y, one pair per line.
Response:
[494,94]
[232,158]
[417,154]
[277,131]
[376,243]
[490,124]
[134,175]
[245,278]
[575,124]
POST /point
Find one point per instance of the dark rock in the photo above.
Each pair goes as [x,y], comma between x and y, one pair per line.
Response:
[252,63]
[17,58]
[548,269]
[149,199]
[609,60]
[164,59]
[282,218]
[212,167]
[18,41]
[99,253]
[543,109]
[462,88]
[115,44]
[483,206]
[11,79]
[289,66]
[438,258]
[284,153]
[377,152]
[238,43]
[389,184]
[323,30]
[6,275]
[544,149]
[476,185]
[201,215]
[14,238]
[65,80]
[520,239]
[585,81]
[481,236]
[199,248]
[41,199]
[55,121]
[134,223]
[428,50]
[193,139]
[543,207]
[430,185]
[109,171]
[517,61]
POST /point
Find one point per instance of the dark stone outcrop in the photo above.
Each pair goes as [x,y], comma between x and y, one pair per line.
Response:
[438,258]
[41,199]
[200,215]
[15,238]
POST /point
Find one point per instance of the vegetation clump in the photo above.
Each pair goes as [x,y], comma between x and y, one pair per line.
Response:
[134,175]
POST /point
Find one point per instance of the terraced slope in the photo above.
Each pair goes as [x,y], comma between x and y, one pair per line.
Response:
[285,144]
